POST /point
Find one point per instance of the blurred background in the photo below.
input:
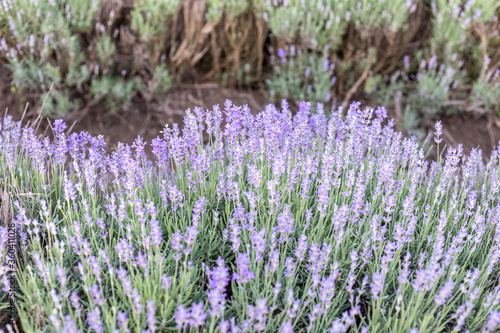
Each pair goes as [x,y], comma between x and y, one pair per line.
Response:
[122,68]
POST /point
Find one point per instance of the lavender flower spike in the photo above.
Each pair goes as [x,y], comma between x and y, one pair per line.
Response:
[438,133]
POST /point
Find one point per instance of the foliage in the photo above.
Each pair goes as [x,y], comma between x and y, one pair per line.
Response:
[487,94]
[150,19]
[300,76]
[453,21]
[231,8]
[433,86]
[115,91]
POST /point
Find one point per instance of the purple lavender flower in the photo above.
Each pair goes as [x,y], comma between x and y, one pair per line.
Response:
[274,262]
[224,326]
[287,327]
[60,146]
[444,293]
[377,284]
[282,54]
[139,145]
[136,297]
[259,244]
[438,133]
[102,226]
[239,212]
[198,316]
[189,238]
[75,302]
[462,313]
[252,198]
[286,223]
[124,250]
[70,325]
[94,320]
[301,248]
[244,274]
[55,298]
[166,282]
[316,312]
[308,216]
[160,150]
[258,314]
[405,271]
[218,281]
[54,321]
[292,312]
[198,209]
[307,72]
[425,278]
[141,260]
[62,278]
[306,182]
[175,196]
[43,271]
[326,64]
[327,288]
[176,244]
[289,297]
[156,234]
[181,317]
[125,280]
[235,232]
[96,294]
[493,321]
[59,126]
[323,198]
[290,267]
[271,187]
[122,319]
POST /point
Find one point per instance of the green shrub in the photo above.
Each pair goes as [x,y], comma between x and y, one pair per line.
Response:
[486,92]
[64,45]
[300,76]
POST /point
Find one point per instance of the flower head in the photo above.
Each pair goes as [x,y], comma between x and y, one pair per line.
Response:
[438,132]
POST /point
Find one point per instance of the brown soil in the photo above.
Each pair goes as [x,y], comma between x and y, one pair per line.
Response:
[472,132]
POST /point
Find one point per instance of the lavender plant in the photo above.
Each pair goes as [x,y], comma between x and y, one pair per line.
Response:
[279,223]
[150,20]
[434,84]
[392,14]
[231,8]
[318,23]
[72,47]
[298,75]
[40,41]
[453,22]
[486,91]
[421,91]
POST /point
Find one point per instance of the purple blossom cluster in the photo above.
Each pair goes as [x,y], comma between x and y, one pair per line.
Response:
[194,317]
[313,222]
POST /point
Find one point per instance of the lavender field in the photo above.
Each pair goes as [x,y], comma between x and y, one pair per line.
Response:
[281,223]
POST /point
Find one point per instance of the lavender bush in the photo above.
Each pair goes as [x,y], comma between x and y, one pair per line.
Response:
[70,52]
[297,75]
[280,223]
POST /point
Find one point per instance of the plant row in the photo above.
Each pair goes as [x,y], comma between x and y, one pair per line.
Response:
[278,223]
[424,57]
